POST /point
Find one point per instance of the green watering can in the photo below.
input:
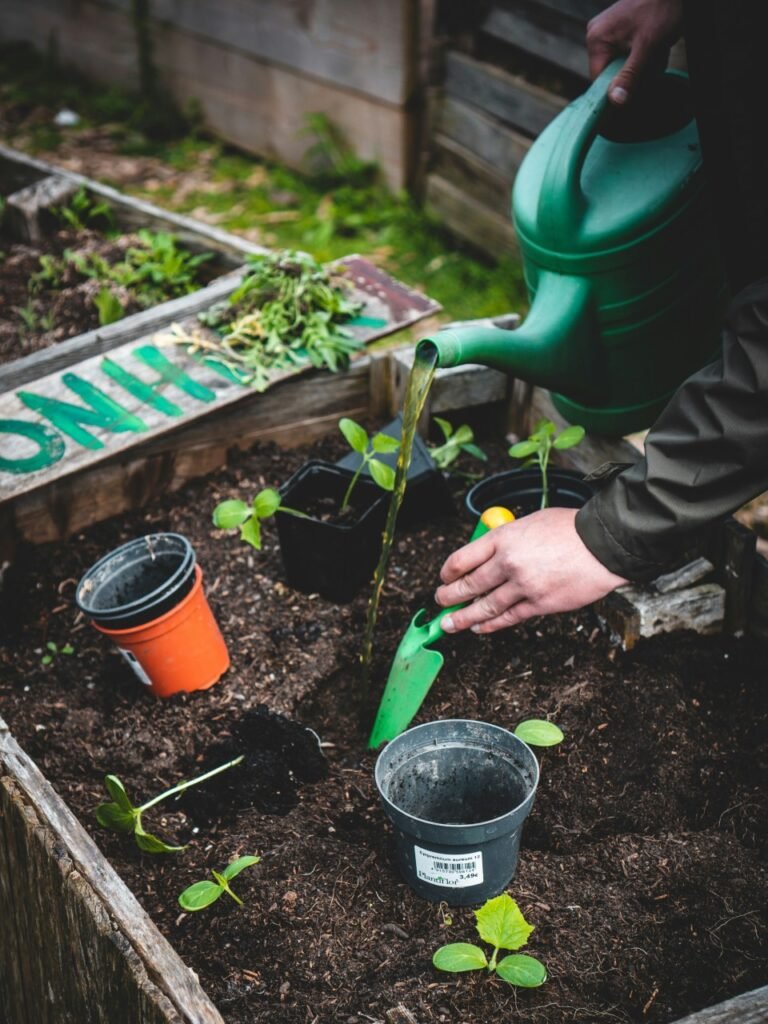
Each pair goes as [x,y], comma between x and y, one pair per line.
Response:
[627,289]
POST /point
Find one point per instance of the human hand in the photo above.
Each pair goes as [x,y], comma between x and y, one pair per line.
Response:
[643,28]
[534,566]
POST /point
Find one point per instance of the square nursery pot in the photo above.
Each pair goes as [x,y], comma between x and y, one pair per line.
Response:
[519,490]
[323,556]
[427,495]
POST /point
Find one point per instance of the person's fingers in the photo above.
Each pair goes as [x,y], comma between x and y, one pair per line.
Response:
[510,617]
[468,558]
[485,578]
[600,53]
[486,608]
[623,86]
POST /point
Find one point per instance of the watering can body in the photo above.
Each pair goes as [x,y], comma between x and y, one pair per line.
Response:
[627,290]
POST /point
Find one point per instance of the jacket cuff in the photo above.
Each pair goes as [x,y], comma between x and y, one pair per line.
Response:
[595,528]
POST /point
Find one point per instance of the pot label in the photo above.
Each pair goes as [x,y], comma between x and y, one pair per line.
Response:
[452,870]
[133,661]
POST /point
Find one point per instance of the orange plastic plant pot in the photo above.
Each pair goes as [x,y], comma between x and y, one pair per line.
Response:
[179,651]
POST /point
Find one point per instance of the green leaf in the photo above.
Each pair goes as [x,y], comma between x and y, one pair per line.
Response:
[500,922]
[220,879]
[52,646]
[354,433]
[46,659]
[67,649]
[522,970]
[151,844]
[233,869]
[108,306]
[200,895]
[266,503]
[463,435]
[478,453]
[116,790]
[539,733]
[545,428]
[445,426]
[118,819]
[568,438]
[250,532]
[230,513]
[523,449]
[459,956]
[383,475]
[384,443]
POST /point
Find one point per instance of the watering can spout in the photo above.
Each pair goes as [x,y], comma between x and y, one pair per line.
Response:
[554,348]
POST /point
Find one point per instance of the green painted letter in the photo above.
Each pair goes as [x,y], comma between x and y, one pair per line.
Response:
[168,372]
[50,445]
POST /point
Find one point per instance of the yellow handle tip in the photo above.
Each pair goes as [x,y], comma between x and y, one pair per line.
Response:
[495,516]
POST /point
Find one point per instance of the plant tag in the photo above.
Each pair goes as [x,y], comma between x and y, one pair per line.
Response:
[133,661]
[452,870]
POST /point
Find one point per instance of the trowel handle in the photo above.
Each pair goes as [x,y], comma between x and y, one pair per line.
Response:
[562,203]
[495,516]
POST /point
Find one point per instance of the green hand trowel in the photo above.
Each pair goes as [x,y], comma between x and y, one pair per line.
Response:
[415,666]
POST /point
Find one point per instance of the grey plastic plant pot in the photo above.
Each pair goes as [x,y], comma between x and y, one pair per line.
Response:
[457,793]
[138,582]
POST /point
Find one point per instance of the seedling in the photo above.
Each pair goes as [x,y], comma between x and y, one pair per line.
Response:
[82,211]
[500,923]
[202,894]
[368,448]
[120,815]
[234,512]
[536,449]
[53,651]
[109,307]
[454,443]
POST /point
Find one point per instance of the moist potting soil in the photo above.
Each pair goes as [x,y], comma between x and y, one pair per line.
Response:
[643,861]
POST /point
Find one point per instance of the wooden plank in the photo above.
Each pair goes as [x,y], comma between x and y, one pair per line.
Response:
[108,405]
[472,176]
[500,147]
[76,966]
[580,10]
[559,40]
[368,48]
[637,612]
[469,219]
[749,1008]
[510,98]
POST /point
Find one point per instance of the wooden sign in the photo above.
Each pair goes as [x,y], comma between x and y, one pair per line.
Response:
[108,403]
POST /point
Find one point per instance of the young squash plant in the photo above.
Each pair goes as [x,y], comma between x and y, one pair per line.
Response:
[235,513]
[120,815]
[200,895]
[501,924]
[462,439]
[537,448]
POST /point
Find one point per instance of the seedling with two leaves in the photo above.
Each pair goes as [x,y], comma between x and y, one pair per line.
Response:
[234,512]
[500,923]
[120,815]
[202,894]
[53,651]
[537,448]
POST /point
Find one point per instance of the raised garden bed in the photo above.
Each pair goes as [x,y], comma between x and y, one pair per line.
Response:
[642,865]
[55,332]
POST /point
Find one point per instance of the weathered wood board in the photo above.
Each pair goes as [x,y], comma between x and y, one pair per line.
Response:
[149,386]
[75,945]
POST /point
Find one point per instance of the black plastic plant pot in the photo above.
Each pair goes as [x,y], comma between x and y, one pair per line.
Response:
[324,556]
[138,582]
[427,495]
[457,793]
[519,490]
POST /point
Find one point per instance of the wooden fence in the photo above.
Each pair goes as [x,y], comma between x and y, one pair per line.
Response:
[256,70]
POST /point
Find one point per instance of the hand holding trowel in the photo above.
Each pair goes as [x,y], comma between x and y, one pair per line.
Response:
[415,666]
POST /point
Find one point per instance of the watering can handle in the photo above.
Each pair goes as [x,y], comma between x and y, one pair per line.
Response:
[562,204]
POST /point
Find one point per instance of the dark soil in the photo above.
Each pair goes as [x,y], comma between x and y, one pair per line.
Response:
[643,862]
[35,316]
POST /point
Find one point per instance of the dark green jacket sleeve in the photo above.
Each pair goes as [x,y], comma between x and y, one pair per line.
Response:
[705,456]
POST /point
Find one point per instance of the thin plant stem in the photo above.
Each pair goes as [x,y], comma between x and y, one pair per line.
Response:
[352,483]
[181,786]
